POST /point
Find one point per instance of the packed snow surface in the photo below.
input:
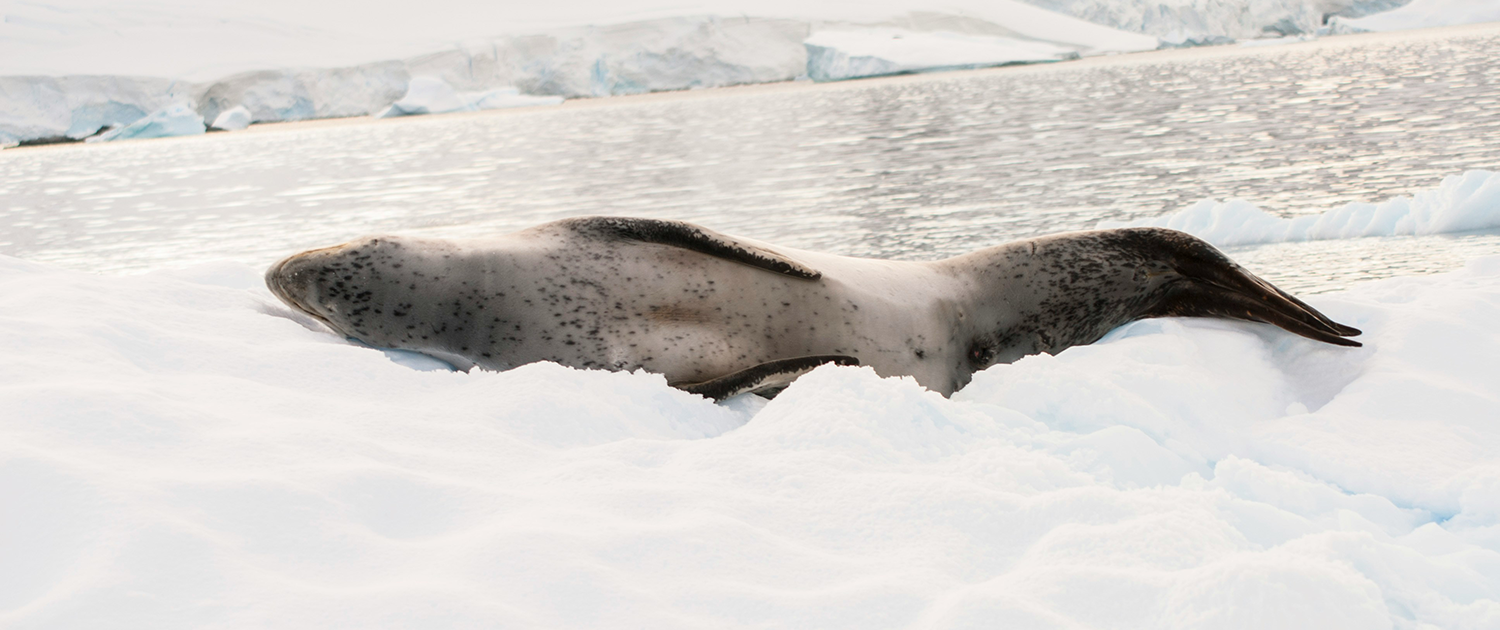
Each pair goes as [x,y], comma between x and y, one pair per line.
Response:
[1461,203]
[179,449]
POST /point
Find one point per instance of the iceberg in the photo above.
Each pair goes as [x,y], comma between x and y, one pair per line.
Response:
[1206,22]
[501,98]
[233,119]
[76,107]
[837,55]
[660,50]
[427,95]
[663,53]
[174,120]
[1460,203]
[305,94]
[430,95]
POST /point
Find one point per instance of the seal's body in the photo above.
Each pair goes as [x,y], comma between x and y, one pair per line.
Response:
[720,315]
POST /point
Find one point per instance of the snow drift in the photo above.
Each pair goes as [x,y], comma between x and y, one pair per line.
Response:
[180,450]
[1460,203]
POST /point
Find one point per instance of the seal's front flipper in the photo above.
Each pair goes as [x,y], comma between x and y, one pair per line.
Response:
[769,375]
[692,237]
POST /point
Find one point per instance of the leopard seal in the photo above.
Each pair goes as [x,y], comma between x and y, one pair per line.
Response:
[720,315]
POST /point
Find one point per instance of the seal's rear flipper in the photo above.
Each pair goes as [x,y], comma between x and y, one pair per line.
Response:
[692,237]
[1212,285]
[769,375]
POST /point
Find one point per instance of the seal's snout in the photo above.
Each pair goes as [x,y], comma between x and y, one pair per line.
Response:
[294,280]
[286,285]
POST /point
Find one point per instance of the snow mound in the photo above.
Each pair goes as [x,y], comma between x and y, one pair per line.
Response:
[181,450]
[1460,203]
[429,95]
[839,55]
[1423,14]
[177,119]
[234,119]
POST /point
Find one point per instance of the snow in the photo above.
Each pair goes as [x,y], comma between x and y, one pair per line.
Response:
[179,449]
[838,55]
[1461,203]
[177,119]
[431,95]
[1425,14]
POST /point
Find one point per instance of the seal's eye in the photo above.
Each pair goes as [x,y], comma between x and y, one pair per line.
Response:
[980,354]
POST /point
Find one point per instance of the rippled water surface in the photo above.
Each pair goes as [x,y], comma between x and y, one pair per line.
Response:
[912,167]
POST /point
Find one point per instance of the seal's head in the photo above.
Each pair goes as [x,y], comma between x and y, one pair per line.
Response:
[297,280]
[332,284]
[386,292]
